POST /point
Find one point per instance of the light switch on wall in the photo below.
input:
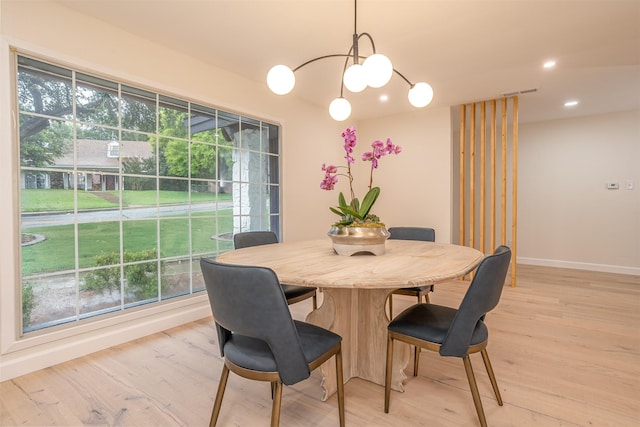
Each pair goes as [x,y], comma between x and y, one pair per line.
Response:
[629,185]
[612,185]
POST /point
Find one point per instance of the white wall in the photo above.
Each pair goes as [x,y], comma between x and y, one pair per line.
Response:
[566,215]
[416,184]
[309,138]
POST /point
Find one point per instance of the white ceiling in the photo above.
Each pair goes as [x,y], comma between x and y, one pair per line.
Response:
[466,50]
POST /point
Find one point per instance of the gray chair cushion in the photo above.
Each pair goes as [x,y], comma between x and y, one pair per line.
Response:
[255,354]
[431,322]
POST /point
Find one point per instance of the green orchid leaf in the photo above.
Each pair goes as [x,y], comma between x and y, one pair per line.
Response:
[348,210]
[368,201]
[336,211]
[341,200]
[356,205]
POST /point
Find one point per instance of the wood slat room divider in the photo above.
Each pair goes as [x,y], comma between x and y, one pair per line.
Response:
[488,181]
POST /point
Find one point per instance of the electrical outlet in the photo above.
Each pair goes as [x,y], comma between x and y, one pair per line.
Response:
[629,185]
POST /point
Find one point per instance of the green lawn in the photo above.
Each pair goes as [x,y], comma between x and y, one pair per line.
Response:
[62,200]
[56,253]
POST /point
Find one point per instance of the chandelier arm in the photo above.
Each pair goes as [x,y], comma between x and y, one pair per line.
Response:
[334,55]
[403,77]
[373,45]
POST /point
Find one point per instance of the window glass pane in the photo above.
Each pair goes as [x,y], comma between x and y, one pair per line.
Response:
[197,281]
[50,300]
[174,237]
[43,142]
[174,118]
[99,243]
[141,279]
[174,192]
[100,289]
[44,90]
[227,156]
[138,109]
[203,126]
[176,278]
[52,244]
[204,234]
[96,100]
[203,160]
[140,239]
[174,157]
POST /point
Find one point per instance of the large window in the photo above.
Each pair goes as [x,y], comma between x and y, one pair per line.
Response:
[123,190]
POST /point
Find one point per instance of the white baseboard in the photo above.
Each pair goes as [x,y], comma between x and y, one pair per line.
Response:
[634,271]
[32,354]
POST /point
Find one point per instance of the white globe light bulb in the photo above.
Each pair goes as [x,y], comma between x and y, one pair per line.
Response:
[339,109]
[280,79]
[378,70]
[420,95]
[354,78]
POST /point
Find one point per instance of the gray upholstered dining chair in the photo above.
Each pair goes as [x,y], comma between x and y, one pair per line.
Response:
[293,293]
[455,332]
[412,233]
[259,339]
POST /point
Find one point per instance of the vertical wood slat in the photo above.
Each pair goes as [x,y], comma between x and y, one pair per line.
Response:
[493,174]
[483,169]
[463,120]
[514,189]
[474,183]
[503,161]
[472,176]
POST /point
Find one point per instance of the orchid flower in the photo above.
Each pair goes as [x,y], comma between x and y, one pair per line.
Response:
[354,211]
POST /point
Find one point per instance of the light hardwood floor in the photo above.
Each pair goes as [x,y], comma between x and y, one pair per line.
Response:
[565,347]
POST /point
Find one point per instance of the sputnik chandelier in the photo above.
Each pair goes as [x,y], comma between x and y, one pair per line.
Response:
[375,71]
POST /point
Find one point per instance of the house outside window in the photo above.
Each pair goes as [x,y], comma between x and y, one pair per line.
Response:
[123,190]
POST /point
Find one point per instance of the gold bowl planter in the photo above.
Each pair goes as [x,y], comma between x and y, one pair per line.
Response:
[358,240]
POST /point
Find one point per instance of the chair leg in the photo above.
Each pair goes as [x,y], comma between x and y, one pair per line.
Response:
[387,375]
[315,302]
[426,298]
[277,400]
[390,306]
[492,377]
[474,390]
[340,380]
[416,360]
[219,395]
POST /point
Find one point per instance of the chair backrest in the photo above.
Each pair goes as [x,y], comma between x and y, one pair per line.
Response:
[481,297]
[249,301]
[413,233]
[254,238]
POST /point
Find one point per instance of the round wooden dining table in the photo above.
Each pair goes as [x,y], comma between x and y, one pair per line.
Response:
[355,289]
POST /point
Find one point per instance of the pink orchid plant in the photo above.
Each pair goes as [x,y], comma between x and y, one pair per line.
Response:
[354,212]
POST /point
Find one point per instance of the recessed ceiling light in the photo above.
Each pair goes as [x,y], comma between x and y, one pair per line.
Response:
[549,64]
[384,98]
[571,103]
